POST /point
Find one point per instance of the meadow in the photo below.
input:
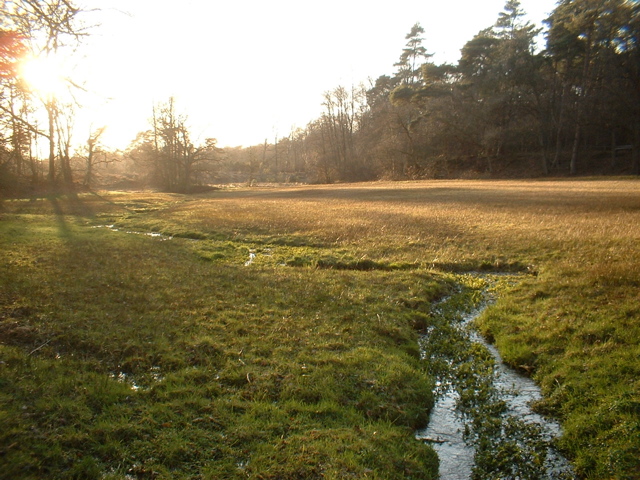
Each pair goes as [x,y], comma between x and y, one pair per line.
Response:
[272,332]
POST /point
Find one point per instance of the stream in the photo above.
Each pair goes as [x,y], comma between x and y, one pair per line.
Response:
[451,432]
[490,433]
[113,228]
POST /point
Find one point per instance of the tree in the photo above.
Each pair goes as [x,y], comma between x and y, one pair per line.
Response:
[177,164]
[413,56]
[94,154]
[12,49]
[14,133]
[499,75]
[336,135]
[45,27]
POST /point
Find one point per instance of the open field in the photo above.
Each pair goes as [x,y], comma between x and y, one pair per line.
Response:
[180,356]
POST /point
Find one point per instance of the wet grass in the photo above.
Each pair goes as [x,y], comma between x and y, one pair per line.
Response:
[506,446]
[128,356]
[134,355]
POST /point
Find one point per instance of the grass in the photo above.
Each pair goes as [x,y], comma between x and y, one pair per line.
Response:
[134,355]
[129,355]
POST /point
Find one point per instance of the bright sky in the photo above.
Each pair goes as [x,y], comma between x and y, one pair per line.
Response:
[247,70]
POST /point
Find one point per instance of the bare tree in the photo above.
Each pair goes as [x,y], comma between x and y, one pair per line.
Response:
[179,163]
[46,27]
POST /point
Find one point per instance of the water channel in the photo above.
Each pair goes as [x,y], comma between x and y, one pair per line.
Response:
[449,428]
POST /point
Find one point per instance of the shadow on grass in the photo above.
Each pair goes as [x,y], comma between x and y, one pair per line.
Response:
[74,206]
[63,228]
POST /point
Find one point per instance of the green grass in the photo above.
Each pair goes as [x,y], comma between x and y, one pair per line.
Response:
[125,354]
[585,353]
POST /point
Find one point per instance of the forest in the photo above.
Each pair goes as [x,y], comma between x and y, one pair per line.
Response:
[522,101]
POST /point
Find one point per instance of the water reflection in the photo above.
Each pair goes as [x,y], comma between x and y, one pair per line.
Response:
[446,429]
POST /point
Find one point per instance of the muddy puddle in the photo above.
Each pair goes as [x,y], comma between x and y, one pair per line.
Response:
[451,427]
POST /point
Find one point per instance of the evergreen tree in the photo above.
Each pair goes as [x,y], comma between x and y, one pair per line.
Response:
[413,56]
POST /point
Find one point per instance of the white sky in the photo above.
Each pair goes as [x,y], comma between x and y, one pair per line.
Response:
[246,70]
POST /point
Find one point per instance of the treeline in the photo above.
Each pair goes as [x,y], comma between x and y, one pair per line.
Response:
[39,147]
[505,108]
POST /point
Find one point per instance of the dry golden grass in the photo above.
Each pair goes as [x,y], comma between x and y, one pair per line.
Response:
[437,221]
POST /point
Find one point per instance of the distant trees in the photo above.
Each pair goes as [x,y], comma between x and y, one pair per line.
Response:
[339,126]
[168,156]
[506,107]
[595,48]
[505,104]
[499,69]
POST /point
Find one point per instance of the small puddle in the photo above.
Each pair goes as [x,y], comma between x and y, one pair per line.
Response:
[448,431]
[154,376]
[113,228]
[252,257]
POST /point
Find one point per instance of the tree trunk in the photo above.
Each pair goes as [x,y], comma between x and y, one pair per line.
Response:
[52,143]
[88,174]
[544,157]
[635,152]
[559,125]
[65,165]
[574,151]
[613,148]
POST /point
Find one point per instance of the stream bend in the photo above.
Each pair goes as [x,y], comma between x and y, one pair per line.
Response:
[482,425]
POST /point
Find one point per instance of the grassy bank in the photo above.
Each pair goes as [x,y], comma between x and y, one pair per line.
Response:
[131,354]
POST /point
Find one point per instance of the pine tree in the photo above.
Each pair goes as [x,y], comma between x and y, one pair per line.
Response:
[413,56]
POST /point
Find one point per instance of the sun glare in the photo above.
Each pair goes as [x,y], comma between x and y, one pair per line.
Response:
[45,76]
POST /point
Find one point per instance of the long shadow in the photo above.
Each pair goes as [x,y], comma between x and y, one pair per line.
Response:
[78,207]
[64,229]
[75,207]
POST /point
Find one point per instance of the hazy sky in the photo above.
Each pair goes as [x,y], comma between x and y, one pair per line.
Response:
[243,71]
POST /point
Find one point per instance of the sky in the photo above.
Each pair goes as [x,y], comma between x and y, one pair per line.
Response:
[243,71]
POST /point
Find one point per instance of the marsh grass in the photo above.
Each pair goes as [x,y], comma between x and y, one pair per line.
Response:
[129,355]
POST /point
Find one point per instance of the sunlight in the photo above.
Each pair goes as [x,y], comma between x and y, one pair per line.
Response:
[45,76]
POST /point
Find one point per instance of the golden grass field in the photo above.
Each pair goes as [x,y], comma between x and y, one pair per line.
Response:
[541,222]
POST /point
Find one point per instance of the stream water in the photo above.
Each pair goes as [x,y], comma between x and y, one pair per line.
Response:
[446,429]
[113,228]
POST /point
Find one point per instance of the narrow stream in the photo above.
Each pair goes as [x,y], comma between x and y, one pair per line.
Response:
[447,426]
[113,228]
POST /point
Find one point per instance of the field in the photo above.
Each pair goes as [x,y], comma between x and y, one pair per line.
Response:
[273,332]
